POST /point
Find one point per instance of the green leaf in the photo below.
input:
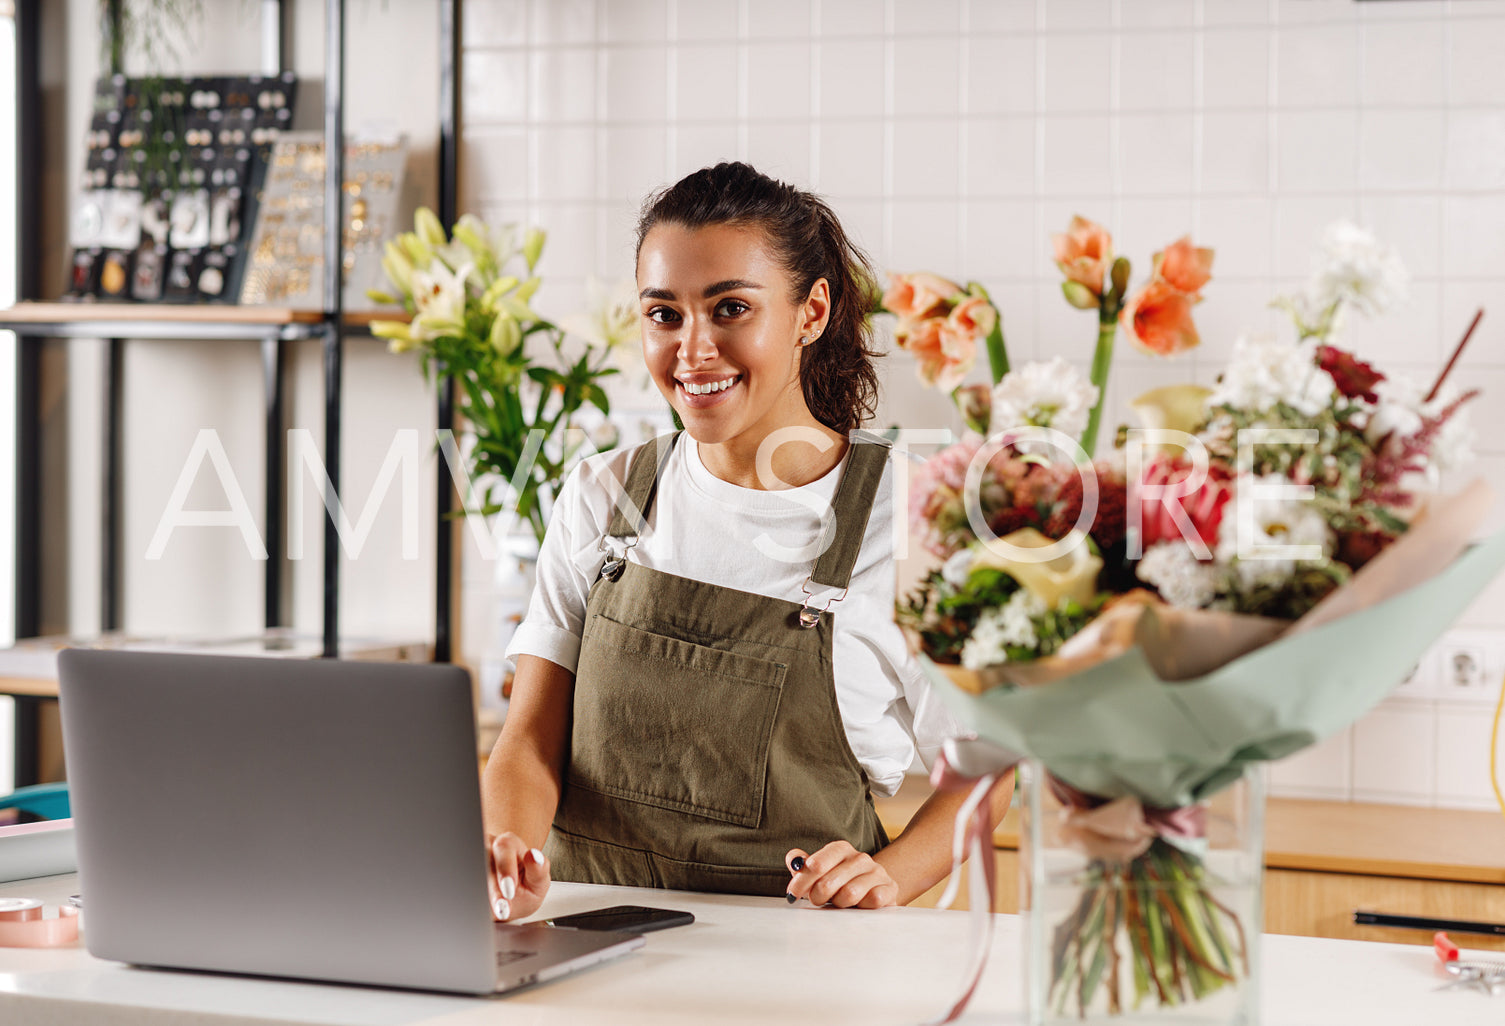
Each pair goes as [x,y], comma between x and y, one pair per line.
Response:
[596,396]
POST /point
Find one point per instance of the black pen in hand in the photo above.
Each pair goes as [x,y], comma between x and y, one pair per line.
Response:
[797,863]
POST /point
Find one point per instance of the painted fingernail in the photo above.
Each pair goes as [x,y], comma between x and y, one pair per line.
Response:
[501,908]
[536,855]
[797,863]
[509,888]
[792,899]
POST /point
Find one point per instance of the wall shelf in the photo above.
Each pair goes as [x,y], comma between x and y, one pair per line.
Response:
[115,323]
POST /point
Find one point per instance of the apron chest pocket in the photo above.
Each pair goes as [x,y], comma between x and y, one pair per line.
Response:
[673,724]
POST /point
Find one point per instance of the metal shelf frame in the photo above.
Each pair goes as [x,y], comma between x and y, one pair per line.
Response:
[148,323]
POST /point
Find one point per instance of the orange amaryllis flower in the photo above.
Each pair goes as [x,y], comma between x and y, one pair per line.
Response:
[945,355]
[1183,266]
[974,316]
[1158,319]
[1084,252]
[913,296]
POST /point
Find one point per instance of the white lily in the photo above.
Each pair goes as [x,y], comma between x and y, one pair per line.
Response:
[533,246]
[439,295]
[399,335]
[506,334]
[426,225]
[399,267]
[610,318]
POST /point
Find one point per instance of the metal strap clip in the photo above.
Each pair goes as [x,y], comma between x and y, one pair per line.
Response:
[809,615]
[612,568]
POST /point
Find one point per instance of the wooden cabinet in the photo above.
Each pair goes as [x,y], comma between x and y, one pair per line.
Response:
[1323,861]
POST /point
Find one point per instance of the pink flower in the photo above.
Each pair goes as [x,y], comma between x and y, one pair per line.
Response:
[1158,319]
[946,355]
[1203,507]
[915,296]
[1183,266]
[1084,252]
[936,510]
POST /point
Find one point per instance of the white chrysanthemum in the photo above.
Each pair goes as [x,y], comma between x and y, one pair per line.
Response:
[1265,371]
[1174,570]
[1010,624]
[1272,529]
[1399,414]
[958,567]
[1454,445]
[1397,411]
[1049,393]
[1353,267]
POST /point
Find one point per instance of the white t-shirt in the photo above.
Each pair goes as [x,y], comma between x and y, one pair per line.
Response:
[703,527]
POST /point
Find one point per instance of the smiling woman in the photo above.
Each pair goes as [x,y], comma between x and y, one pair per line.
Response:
[690,710]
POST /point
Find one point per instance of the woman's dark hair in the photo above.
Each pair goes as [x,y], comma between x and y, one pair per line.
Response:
[836,372]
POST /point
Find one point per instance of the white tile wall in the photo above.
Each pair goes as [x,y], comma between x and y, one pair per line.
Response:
[956,135]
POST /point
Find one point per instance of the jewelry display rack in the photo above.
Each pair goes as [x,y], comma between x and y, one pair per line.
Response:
[33,322]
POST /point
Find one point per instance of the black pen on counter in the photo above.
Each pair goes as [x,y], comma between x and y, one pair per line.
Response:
[1428,923]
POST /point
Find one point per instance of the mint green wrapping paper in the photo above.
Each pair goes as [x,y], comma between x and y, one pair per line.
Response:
[1117,728]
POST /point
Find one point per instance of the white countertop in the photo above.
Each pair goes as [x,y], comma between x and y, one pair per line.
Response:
[744,960]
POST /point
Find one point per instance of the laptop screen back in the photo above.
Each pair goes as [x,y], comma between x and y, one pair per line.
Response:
[315,819]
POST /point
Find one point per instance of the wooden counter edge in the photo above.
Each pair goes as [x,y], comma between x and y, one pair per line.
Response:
[1323,836]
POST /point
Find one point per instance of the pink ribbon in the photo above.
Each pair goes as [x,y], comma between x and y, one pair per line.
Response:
[1117,830]
[1121,830]
[26,925]
[973,838]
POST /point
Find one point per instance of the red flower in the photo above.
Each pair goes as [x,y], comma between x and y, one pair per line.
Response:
[1354,378]
[1203,507]
[1111,521]
[1006,521]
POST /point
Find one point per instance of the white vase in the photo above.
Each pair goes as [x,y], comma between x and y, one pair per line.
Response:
[514,574]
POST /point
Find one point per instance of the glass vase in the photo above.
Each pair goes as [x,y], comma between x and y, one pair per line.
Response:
[1168,934]
[514,576]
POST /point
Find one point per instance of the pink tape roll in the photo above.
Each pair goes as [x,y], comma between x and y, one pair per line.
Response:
[25,924]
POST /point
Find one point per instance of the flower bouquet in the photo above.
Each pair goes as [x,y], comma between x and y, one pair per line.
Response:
[1250,572]
[469,294]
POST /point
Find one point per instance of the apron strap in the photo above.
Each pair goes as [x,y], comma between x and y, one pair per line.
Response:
[851,507]
[642,483]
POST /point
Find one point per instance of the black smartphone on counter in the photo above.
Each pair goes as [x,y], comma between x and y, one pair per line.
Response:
[627,918]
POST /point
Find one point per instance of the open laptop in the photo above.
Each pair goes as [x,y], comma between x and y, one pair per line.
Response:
[311,819]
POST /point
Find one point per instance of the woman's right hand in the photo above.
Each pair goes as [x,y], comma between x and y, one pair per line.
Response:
[517,878]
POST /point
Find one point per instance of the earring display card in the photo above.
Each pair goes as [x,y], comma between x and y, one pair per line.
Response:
[182,277]
[168,192]
[286,266]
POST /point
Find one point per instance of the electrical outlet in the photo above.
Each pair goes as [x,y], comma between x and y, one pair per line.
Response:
[1463,667]
[1470,663]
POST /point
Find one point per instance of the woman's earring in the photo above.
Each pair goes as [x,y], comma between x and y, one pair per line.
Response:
[804,341]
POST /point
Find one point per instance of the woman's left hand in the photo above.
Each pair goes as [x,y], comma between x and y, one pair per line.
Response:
[840,875]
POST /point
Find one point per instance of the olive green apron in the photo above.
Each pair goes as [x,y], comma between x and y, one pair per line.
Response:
[706,740]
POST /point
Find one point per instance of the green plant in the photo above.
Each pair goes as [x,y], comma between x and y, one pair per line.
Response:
[472,324]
